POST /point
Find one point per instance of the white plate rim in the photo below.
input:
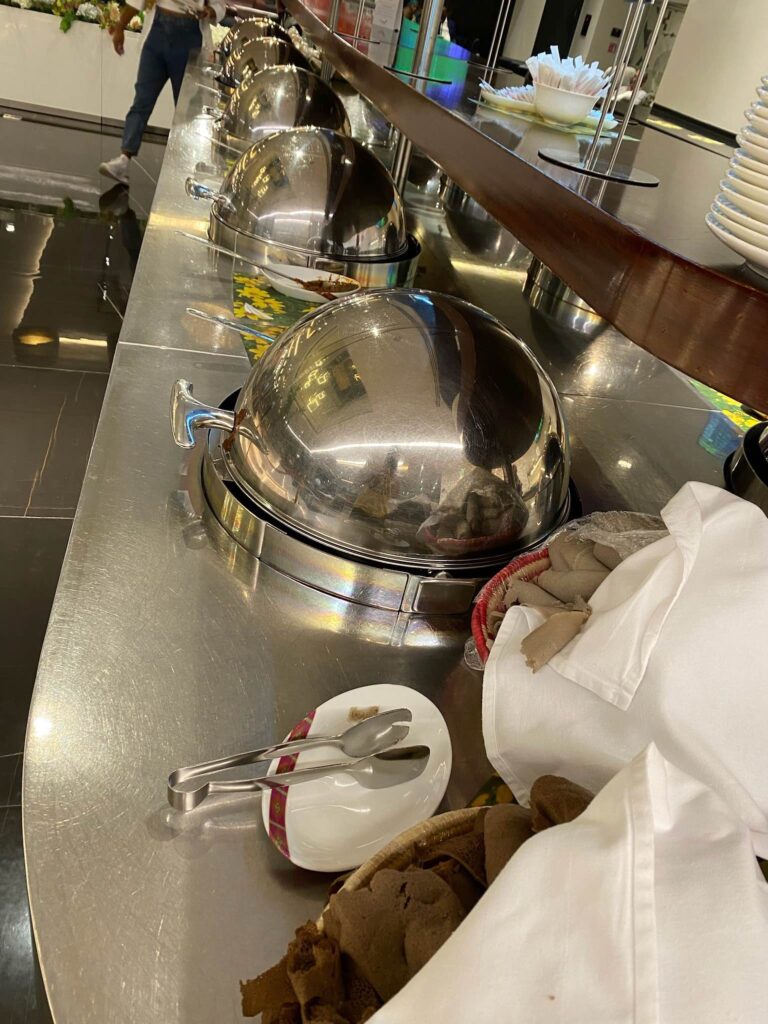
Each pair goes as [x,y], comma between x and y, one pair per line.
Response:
[751,253]
[757,154]
[732,177]
[741,156]
[739,230]
[749,134]
[737,197]
[724,207]
[757,107]
[386,695]
[756,121]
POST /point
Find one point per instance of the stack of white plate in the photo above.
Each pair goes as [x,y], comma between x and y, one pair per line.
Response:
[739,214]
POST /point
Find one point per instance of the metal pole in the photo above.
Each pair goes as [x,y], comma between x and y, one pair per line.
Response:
[326,68]
[618,71]
[359,20]
[635,90]
[634,32]
[498,39]
[425,44]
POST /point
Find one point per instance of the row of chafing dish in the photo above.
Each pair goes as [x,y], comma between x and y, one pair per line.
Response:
[396,428]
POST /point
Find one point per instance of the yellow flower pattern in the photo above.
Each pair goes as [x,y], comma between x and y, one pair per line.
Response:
[285,311]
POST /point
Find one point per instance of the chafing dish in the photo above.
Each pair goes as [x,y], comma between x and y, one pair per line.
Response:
[250,28]
[402,428]
[314,197]
[276,99]
[255,55]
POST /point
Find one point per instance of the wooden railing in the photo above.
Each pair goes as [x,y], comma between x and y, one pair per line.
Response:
[706,324]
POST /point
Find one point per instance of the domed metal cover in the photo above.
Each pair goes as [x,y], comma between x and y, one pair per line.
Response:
[256,54]
[252,28]
[280,98]
[316,191]
[406,427]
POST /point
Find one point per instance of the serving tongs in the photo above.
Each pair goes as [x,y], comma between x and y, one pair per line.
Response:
[367,742]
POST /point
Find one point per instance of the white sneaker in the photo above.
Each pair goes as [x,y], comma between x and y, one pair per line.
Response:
[118,168]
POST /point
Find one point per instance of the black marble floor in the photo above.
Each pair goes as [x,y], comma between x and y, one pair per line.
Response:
[68,250]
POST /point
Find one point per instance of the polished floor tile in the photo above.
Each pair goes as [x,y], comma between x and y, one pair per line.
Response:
[10,780]
[51,416]
[22,997]
[31,553]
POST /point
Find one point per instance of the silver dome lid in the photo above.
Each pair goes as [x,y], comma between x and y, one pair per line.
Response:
[256,54]
[279,98]
[315,191]
[405,427]
[251,28]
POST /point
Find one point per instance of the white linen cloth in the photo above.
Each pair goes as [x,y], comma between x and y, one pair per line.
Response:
[647,909]
[675,653]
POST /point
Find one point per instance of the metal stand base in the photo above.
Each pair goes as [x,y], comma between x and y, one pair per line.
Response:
[600,169]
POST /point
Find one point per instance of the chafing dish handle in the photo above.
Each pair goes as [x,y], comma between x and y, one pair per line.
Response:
[214,113]
[188,415]
[197,190]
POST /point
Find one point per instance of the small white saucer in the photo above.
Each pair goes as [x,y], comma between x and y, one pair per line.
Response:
[335,824]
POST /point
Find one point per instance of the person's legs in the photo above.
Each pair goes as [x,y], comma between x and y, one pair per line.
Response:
[151,77]
[187,37]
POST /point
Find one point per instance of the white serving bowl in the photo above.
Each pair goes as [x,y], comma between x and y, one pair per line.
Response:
[752,163]
[757,258]
[560,105]
[726,207]
[753,207]
[756,238]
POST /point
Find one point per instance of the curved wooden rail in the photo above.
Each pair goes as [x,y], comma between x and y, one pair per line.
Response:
[705,324]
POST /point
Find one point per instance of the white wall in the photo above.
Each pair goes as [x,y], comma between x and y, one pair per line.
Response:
[720,53]
[611,14]
[76,72]
[523,26]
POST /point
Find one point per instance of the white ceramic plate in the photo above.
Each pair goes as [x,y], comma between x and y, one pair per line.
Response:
[760,110]
[750,135]
[506,102]
[760,124]
[294,289]
[757,259]
[757,154]
[735,177]
[755,209]
[335,824]
[757,178]
[728,210]
[524,107]
[762,91]
[755,238]
[742,157]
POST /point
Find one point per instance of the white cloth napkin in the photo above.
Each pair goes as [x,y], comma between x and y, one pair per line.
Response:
[647,909]
[675,653]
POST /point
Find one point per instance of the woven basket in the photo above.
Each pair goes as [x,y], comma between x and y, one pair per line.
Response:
[526,567]
[411,845]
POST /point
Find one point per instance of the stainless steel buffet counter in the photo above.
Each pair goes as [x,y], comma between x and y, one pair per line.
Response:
[168,644]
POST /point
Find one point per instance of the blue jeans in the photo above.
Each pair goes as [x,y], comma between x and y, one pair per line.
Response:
[163,56]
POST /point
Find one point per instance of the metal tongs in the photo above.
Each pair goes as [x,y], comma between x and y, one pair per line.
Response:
[366,742]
